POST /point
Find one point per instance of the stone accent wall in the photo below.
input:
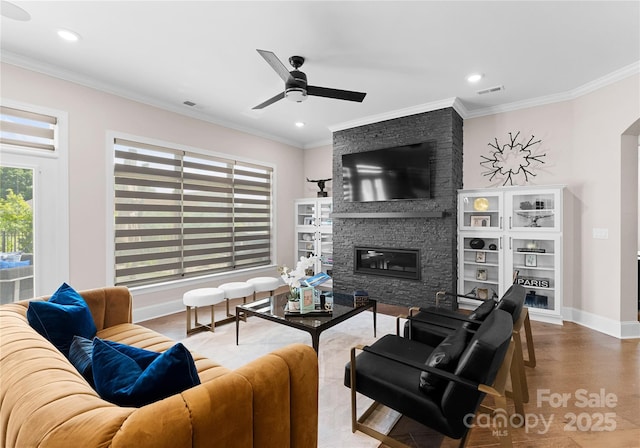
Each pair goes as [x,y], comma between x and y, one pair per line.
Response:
[434,237]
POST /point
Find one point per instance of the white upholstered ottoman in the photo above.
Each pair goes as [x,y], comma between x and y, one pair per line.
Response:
[202,297]
[266,286]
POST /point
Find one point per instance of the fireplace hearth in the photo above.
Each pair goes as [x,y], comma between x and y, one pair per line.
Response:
[401,263]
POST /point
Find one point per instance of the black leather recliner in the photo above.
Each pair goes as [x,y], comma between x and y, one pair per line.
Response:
[391,372]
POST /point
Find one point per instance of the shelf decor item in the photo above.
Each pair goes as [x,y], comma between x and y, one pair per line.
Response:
[533,282]
[321,184]
[535,300]
[481,257]
[481,221]
[530,260]
[481,274]
[481,204]
[307,302]
[476,243]
[360,297]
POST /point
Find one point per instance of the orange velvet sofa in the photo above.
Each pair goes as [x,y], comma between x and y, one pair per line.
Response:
[44,401]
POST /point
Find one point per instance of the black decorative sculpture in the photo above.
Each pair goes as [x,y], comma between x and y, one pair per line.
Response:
[321,185]
[511,159]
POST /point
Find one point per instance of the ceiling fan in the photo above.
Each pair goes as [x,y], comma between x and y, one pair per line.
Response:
[295,83]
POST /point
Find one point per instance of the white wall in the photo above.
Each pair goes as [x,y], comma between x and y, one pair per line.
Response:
[92,114]
[582,139]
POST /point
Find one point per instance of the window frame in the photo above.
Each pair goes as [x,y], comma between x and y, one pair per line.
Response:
[51,238]
[193,279]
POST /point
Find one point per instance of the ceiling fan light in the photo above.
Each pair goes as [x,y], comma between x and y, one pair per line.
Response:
[296,94]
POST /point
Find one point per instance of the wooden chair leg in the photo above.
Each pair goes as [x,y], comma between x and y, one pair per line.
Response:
[531,362]
[518,357]
[516,393]
[500,402]
[504,434]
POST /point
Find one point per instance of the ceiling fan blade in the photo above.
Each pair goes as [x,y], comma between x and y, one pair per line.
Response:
[275,64]
[336,93]
[278,97]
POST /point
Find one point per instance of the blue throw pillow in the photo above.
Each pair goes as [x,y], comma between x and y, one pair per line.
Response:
[80,353]
[62,317]
[130,376]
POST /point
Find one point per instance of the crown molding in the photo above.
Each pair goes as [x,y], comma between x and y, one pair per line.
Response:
[66,75]
[592,86]
[318,144]
[413,110]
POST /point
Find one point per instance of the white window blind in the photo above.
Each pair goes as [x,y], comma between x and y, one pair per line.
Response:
[183,214]
[27,129]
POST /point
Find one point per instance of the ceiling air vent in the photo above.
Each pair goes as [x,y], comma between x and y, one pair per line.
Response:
[189,103]
[490,90]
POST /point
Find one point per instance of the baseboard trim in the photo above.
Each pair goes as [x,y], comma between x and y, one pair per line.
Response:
[159,310]
[611,327]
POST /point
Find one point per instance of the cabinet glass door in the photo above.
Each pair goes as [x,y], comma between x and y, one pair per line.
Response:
[480,210]
[325,210]
[480,267]
[305,214]
[326,253]
[535,263]
[305,243]
[534,210]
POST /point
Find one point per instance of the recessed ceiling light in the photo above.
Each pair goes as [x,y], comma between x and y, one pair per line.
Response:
[299,124]
[69,36]
[474,77]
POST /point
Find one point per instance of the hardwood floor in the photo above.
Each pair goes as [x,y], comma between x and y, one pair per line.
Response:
[584,391]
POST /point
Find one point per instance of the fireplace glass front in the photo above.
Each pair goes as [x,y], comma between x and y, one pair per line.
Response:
[403,263]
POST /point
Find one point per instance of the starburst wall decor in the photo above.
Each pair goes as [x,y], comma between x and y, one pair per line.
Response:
[511,160]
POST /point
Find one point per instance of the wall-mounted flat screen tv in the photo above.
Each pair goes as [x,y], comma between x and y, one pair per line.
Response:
[388,174]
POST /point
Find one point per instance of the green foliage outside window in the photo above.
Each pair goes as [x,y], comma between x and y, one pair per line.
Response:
[16,216]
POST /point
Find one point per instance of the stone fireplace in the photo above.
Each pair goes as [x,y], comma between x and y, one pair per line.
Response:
[424,227]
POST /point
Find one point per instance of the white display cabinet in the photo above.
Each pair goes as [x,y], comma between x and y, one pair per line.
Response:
[314,231]
[512,234]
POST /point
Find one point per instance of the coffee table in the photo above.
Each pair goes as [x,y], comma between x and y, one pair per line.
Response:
[273,309]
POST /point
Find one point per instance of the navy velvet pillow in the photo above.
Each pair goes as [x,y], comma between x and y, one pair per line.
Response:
[80,353]
[130,376]
[445,357]
[62,317]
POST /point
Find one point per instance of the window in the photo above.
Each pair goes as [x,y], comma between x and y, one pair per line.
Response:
[27,129]
[184,214]
[34,167]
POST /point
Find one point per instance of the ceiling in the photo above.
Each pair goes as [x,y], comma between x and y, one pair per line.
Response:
[407,56]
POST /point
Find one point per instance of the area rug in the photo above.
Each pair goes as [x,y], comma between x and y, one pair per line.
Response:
[259,337]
